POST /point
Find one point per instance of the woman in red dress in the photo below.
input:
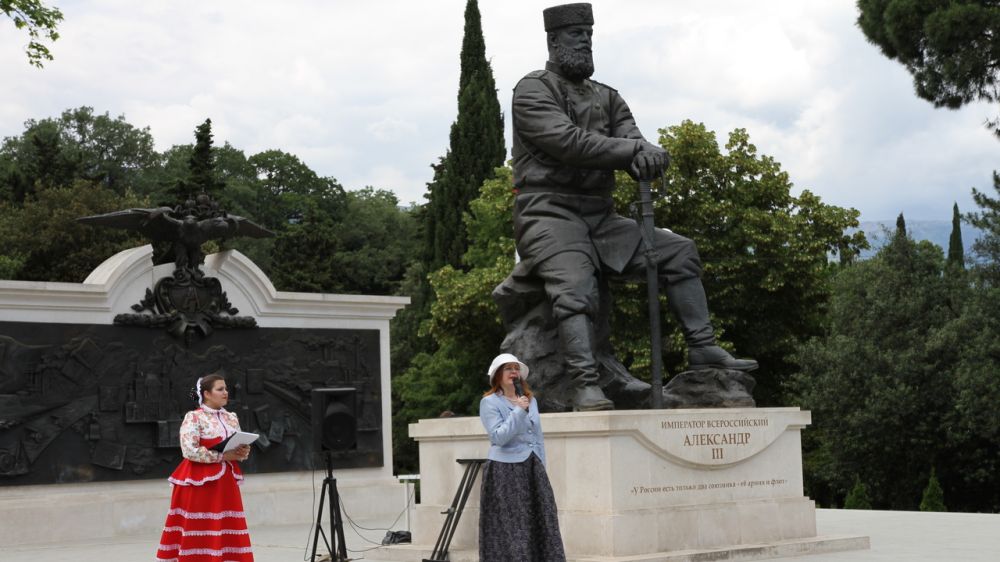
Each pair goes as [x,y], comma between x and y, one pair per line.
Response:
[206,522]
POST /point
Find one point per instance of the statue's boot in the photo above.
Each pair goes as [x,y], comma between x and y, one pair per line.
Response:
[688,303]
[576,337]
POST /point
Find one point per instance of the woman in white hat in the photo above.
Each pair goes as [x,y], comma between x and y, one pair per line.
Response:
[518,514]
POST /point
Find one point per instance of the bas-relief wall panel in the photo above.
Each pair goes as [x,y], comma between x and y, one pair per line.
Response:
[86,403]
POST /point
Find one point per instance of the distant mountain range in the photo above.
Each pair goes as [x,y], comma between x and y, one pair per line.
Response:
[937,232]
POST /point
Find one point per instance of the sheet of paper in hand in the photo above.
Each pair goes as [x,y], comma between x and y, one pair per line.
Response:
[235,440]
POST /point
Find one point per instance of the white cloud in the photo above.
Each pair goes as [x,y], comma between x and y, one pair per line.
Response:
[381,177]
[366,91]
[391,129]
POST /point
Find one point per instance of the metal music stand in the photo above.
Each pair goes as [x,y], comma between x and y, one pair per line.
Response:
[472,466]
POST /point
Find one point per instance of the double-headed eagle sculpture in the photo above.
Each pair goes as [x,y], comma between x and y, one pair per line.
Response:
[187,226]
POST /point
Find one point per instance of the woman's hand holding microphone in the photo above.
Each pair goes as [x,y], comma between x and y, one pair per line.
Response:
[523,402]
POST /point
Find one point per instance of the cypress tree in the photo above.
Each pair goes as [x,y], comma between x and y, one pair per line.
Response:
[858,498]
[956,252]
[899,251]
[201,167]
[476,148]
[933,499]
[900,226]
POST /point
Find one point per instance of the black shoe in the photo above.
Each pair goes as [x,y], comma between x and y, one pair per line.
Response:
[590,398]
[714,357]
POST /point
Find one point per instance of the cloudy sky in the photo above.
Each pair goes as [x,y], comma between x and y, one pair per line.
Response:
[365,90]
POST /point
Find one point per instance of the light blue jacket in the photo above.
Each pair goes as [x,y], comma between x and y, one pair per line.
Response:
[514,433]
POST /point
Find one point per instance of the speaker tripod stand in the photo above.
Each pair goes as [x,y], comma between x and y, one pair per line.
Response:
[336,521]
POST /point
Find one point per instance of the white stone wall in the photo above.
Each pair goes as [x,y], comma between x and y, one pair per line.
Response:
[82,511]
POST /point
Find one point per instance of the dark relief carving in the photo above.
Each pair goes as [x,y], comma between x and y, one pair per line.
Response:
[87,403]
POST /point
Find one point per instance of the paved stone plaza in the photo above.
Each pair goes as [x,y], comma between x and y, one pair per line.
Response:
[899,536]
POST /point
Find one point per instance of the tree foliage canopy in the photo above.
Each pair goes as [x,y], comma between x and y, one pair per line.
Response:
[41,240]
[82,163]
[476,148]
[933,499]
[464,325]
[891,334]
[39,20]
[900,381]
[952,49]
[764,250]
[364,247]
[987,219]
[79,145]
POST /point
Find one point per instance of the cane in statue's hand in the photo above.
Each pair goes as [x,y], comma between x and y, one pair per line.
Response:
[652,286]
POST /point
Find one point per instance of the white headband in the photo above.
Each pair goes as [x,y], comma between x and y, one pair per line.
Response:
[197,388]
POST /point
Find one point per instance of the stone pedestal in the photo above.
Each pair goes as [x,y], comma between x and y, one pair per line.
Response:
[644,485]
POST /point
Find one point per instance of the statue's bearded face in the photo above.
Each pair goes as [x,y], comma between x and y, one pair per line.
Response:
[571,47]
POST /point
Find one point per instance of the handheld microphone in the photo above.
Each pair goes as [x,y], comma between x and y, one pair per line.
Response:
[518,389]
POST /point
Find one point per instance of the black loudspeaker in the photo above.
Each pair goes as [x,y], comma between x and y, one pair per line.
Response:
[334,419]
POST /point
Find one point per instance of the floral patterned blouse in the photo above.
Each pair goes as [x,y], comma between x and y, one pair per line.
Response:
[206,423]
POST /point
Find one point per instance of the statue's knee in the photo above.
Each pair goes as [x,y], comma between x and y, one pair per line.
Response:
[688,249]
[571,304]
[682,263]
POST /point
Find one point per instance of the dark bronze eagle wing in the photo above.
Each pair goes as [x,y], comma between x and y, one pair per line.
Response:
[240,226]
[155,224]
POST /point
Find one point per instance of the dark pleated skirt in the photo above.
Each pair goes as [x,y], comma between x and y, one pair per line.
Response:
[517,514]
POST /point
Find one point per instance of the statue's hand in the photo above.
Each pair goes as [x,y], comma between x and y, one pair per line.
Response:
[649,162]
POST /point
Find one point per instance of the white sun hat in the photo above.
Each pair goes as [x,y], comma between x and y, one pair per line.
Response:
[503,359]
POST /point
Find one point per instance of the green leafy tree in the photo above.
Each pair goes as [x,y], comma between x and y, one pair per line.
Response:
[933,498]
[367,250]
[240,195]
[971,475]
[884,367]
[35,159]
[464,323]
[956,250]
[765,253]
[476,148]
[77,146]
[42,241]
[273,188]
[238,179]
[951,49]
[161,187]
[378,241]
[284,181]
[910,352]
[234,177]
[302,252]
[987,219]
[858,498]
[39,20]
[10,265]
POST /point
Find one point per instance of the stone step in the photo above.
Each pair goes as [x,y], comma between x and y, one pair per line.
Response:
[780,549]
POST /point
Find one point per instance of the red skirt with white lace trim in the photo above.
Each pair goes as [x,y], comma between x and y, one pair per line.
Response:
[206,522]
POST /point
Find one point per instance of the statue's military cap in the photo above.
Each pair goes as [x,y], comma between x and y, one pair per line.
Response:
[568,14]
